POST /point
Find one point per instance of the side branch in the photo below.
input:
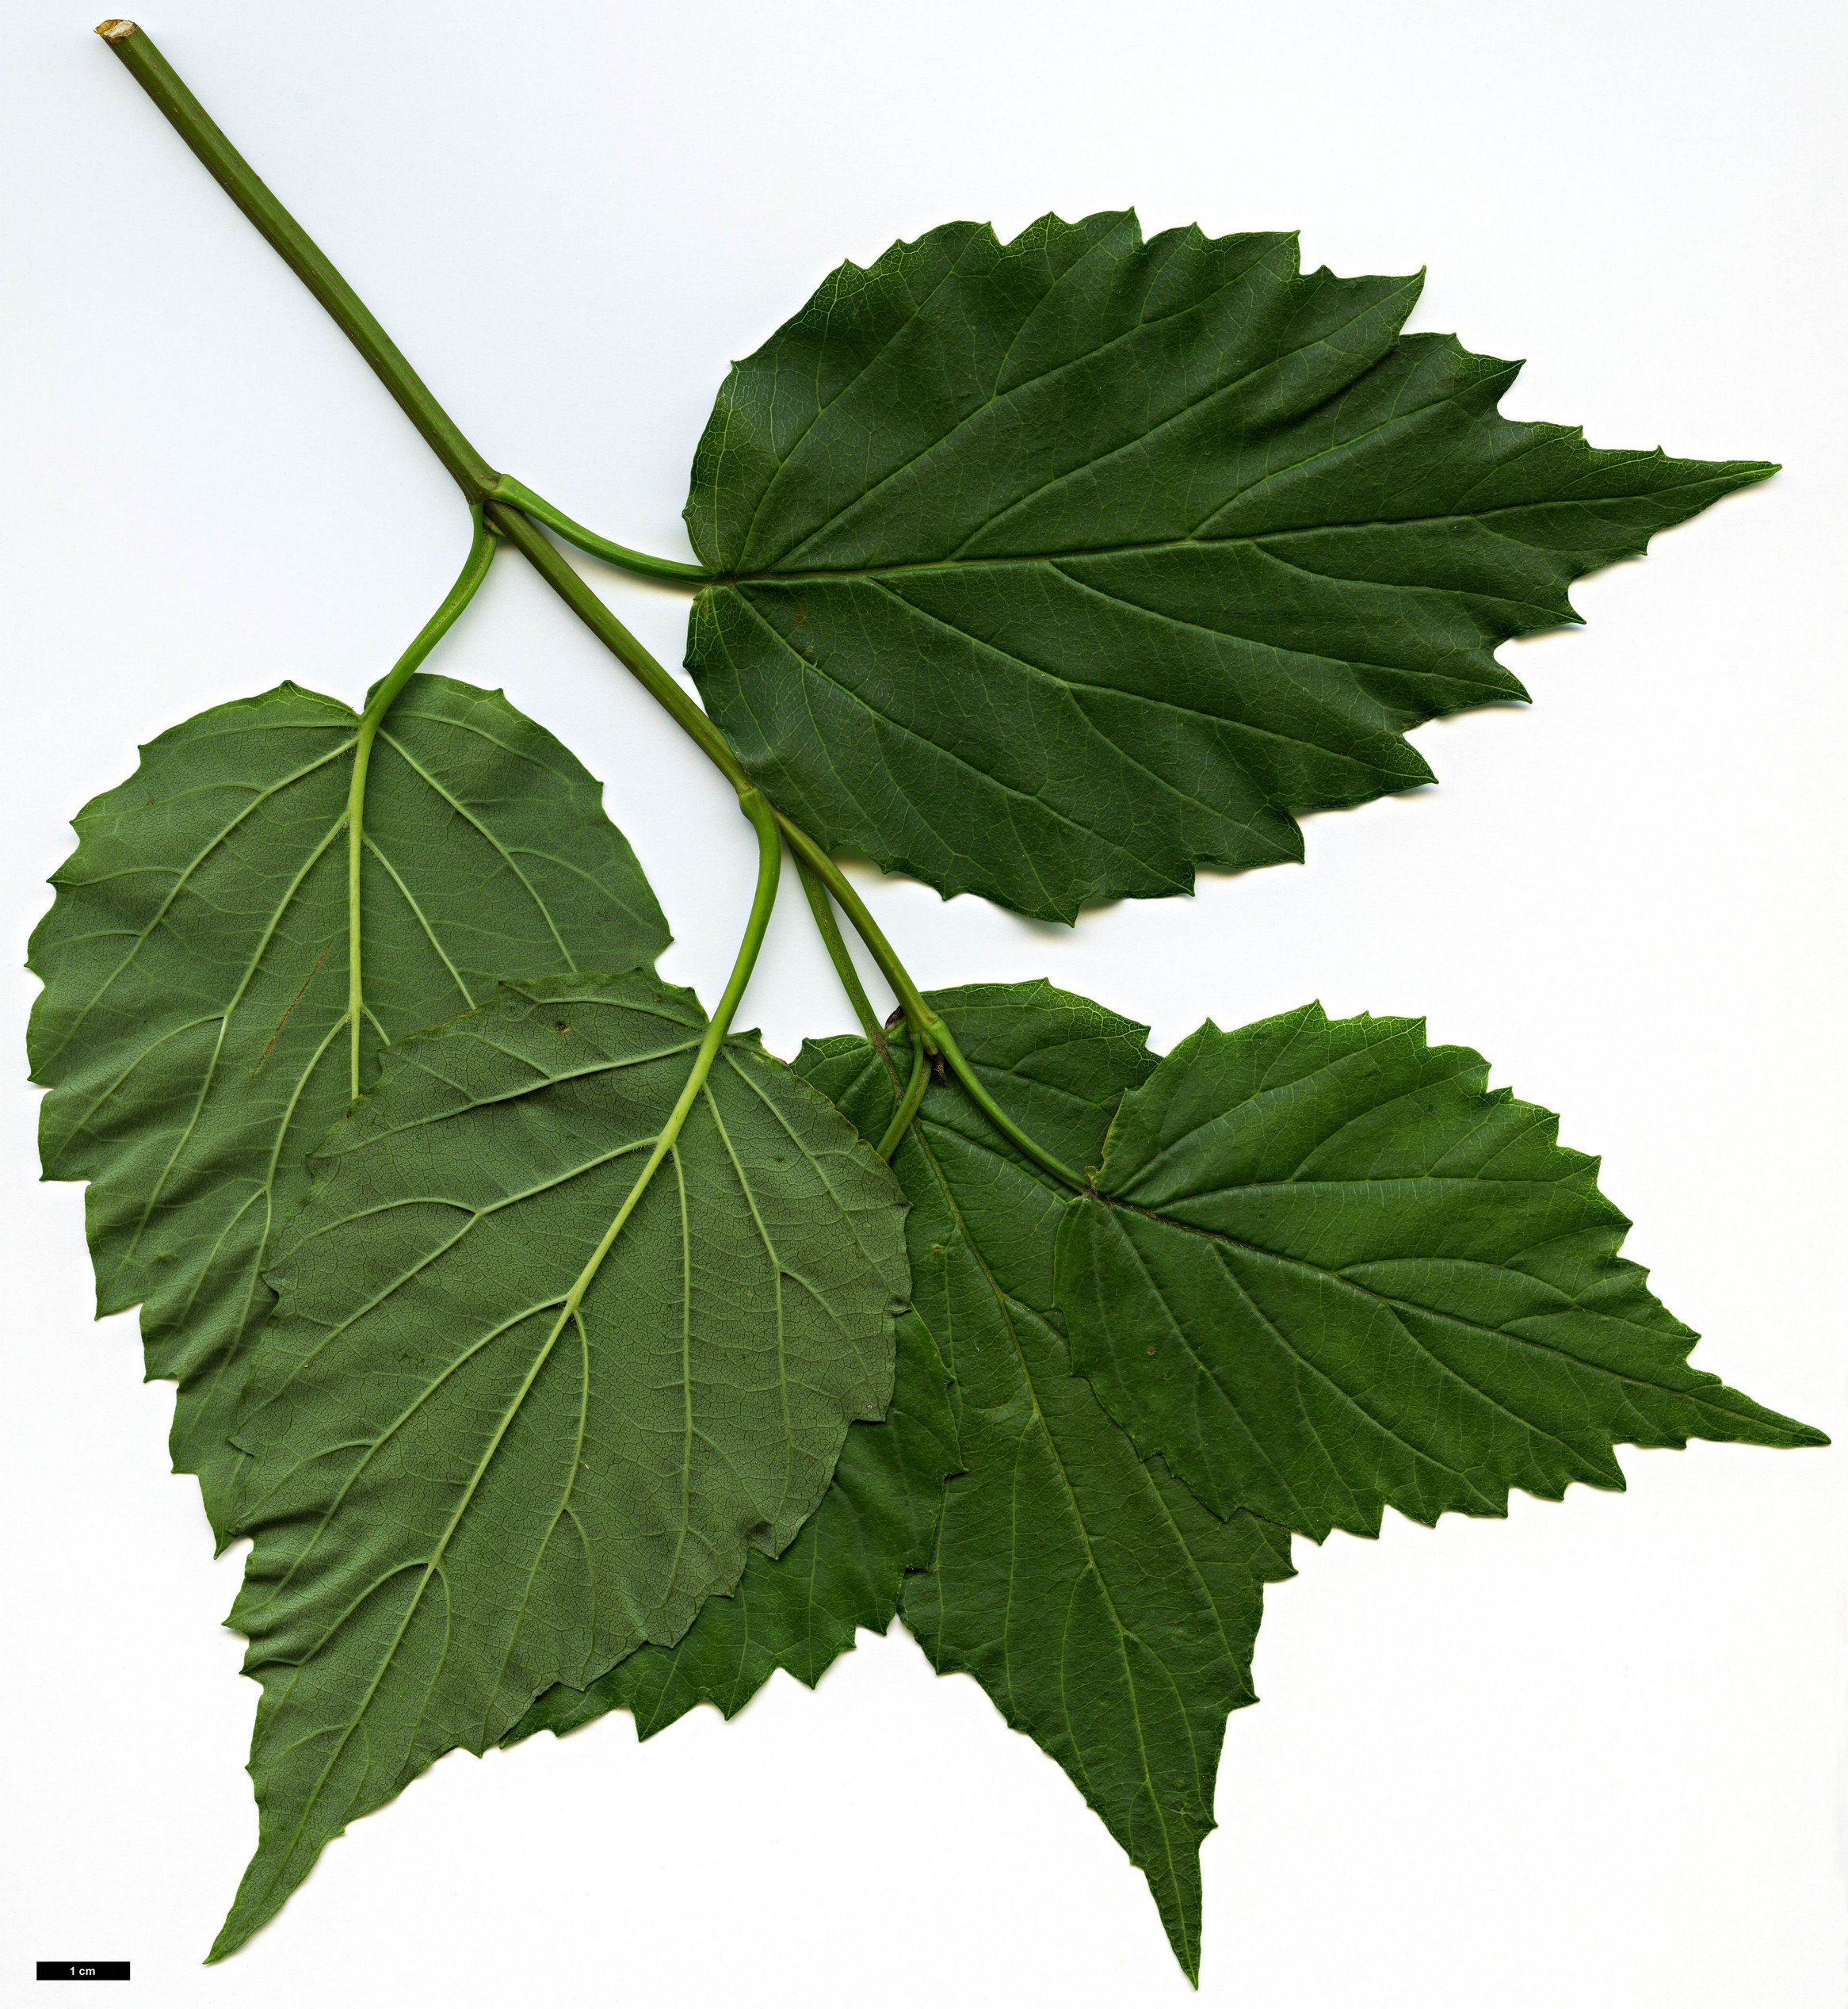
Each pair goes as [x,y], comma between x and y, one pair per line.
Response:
[493,497]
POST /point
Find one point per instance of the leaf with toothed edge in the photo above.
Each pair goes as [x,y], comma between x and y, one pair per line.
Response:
[193,1027]
[799,1610]
[1056,570]
[496,1444]
[1109,1617]
[1327,1270]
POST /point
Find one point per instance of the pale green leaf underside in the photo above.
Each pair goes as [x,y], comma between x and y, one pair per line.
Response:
[799,1610]
[193,1029]
[1053,571]
[1331,1271]
[461,1491]
[1109,1616]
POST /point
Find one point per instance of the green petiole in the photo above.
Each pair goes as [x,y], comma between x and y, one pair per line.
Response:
[999,1117]
[468,583]
[908,1107]
[919,1015]
[769,854]
[493,496]
[930,1035]
[829,929]
[669,571]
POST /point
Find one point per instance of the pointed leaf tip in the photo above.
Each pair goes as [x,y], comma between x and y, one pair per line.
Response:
[1327,1270]
[517,1414]
[1060,570]
[1110,1616]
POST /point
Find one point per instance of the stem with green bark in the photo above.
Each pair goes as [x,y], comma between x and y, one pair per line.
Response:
[468,583]
[481,484]
[552,565]
[919,1015]
[304,257]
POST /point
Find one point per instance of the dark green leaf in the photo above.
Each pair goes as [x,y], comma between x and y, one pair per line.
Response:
[1054,570]
[463,1489]
[1109,1616]
[193,1029]
[799,1610]
[1329,1271]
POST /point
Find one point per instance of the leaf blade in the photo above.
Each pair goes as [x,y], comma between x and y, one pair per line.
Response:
[799,1611]
[1056,570]
[1106,1613]
[191,1028]
[1364,1279]
[467,1485]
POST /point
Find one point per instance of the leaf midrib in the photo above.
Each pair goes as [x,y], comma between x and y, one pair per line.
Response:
[1123,1633]
[432,1565]
[776,575]
[1396,1305]
[1070,688]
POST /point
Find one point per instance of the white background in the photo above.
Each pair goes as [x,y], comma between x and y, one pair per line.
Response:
[1590,1755]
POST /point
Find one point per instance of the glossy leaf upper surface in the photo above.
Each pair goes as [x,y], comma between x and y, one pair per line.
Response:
[1107,1613]
[492,1449]
[193,1026]
[1055,569]
[1328,1270]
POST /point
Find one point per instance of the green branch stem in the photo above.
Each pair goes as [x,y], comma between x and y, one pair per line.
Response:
[552,565]
[930,1034]
[233,173]
[468,583]
[668,571]
[490,493]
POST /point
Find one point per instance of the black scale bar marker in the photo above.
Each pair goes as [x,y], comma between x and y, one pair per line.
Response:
[83,1970]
